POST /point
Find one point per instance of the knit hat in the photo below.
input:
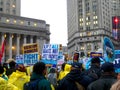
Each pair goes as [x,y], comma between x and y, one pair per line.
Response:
[107,67]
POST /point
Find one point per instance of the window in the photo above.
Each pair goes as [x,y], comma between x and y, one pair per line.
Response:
[13,6]
[1,3]
[7,20]
[14,11]
[88,33]
[1,9]
[35,24]
[88,46]
[87,28]
[28,22]
[15,21]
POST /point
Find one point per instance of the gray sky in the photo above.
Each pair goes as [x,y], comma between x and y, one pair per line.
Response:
[53,12]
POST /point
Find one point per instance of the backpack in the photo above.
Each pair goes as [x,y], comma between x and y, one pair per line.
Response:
[32,85]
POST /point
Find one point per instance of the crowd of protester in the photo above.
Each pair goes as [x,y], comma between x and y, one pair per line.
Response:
[71,76]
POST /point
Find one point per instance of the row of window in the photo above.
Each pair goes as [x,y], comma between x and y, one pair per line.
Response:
[90,46]
[88,18]
[89,33]
[20,22]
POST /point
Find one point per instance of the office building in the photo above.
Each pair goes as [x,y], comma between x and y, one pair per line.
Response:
[18,31]
[11,7]
[89,21]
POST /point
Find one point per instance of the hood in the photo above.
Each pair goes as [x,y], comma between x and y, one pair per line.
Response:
[35,76]
[74,75]
[19,74]
[67,68]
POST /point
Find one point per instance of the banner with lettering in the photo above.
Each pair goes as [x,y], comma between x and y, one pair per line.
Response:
[30,48]
[51,53]
[30,59]
[109,54]
[30,53]
[95,54]
[20,59]
[116,62]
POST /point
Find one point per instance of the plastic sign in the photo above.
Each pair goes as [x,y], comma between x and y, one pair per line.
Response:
[109,53]
[51,51]
[30,59]
[95,54]
[30,48]
[20,59]
[116,62]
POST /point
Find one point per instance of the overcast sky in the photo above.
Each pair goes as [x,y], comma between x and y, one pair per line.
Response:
[53,12]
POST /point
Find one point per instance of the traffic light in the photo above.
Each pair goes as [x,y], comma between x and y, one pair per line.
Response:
[116,27]
[116,20]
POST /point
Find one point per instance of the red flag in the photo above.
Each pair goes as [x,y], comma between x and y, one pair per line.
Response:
[2,50]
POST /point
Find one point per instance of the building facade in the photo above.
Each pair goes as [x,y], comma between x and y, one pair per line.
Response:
[89,21]
[115,7]
[20,30]
[17,30]
[11,7]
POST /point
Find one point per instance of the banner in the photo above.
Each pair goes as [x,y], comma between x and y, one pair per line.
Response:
[20,59]
[95,54]
[116,62]
[30,59]
[51,53]
[109,54]
[2,50]
[30,48]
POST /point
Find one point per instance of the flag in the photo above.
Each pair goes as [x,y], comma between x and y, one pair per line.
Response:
[2,50]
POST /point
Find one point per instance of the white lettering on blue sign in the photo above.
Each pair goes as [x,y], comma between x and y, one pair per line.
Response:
[117,65]
[19,59]
[117,51]
[30,59]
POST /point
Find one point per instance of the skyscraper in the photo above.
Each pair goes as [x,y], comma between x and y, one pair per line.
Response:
[89,21]
[11,7]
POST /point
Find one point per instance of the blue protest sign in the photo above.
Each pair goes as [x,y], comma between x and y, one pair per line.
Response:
[116,62]
[108,50]
[30,59]
[51,52]
[20,59]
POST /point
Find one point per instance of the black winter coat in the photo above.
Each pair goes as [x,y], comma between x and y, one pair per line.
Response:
[104,83]
[68,82]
